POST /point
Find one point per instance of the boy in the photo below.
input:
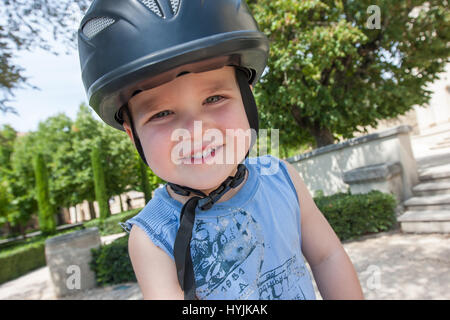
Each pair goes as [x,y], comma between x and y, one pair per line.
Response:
[220,228]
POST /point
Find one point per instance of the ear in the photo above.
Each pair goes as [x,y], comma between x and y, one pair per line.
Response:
[128,130]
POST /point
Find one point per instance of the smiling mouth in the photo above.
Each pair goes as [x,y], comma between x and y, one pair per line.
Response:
[202,157]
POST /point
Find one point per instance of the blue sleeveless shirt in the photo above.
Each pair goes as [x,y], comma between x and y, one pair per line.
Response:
[247,247]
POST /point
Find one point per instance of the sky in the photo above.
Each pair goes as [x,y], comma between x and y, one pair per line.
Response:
[61,89]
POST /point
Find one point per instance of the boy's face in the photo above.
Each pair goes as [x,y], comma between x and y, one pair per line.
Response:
[164,120]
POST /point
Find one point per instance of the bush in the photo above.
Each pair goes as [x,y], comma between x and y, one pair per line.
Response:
[111,263]
[353,215]
[21,259]
[111,224]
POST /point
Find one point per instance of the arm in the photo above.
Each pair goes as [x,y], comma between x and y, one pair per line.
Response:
[333,271]
[155,270]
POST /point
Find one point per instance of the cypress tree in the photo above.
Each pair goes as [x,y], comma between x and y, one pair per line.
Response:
[99,183]
[46,219]
[145,184]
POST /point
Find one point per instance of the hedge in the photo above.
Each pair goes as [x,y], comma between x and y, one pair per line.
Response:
[29,254]
[354,215]
[111,263]
[21,259]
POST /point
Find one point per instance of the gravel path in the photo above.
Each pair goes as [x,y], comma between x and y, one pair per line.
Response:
[390,265]
[394,265]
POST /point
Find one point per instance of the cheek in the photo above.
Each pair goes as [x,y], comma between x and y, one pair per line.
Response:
[232,116]
[156,147]
[235,126]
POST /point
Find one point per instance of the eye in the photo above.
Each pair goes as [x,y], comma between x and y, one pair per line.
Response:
[161,114]
[213,99]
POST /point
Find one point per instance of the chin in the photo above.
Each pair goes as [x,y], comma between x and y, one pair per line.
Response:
[208,180]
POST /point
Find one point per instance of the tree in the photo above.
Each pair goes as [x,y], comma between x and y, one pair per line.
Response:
[329,73]
[99,182]
[47,221]
[120,165]
[21,181]
[25,25]
[5,202]
[7,137]
[53,139]
[145,183]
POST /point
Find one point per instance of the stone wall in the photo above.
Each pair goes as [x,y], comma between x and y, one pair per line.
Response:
[323,168]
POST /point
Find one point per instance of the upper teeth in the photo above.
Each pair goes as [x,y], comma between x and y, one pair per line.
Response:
[204,154]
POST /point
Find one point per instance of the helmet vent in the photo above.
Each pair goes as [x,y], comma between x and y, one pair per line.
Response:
[96,25]
[175,5]
[153,6]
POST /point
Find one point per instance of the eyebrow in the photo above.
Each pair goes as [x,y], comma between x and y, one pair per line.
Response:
[217,85]
[151,102]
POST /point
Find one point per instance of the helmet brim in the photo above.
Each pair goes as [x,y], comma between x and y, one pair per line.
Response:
[245,49]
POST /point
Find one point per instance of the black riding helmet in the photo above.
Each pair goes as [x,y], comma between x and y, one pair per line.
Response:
[131,45]
[128,46]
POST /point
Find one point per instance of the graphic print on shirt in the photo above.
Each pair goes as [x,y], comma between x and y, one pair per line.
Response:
[283,282]
[228,255]
[223,250]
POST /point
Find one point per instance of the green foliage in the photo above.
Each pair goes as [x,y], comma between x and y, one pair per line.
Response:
[53,141]
[329,75]
[5,202]
[47,222]
[66,146]
[353,215]
[22,260]
[111,263]
[99,182]
[120,165]
[111,224]
[24,256]
[145,183]
[7,138]
[26,25]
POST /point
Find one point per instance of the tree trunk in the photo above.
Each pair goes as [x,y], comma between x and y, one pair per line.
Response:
[121,204]
[323,136]
[22,231]
[92,210]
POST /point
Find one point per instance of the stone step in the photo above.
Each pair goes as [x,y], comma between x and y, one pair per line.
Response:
[437,202]
[425,221]
[440,146]
[432,188]
[441,173]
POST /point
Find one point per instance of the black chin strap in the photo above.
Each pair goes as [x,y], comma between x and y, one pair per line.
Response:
[182,247]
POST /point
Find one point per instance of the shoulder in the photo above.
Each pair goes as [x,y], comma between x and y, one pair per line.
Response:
[155,270]
[295,178]
[318,238]
[306,201]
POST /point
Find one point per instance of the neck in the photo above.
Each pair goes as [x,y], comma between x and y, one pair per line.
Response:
[228,195]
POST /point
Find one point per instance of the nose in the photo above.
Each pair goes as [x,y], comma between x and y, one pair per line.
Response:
[195,120]
[197,125]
